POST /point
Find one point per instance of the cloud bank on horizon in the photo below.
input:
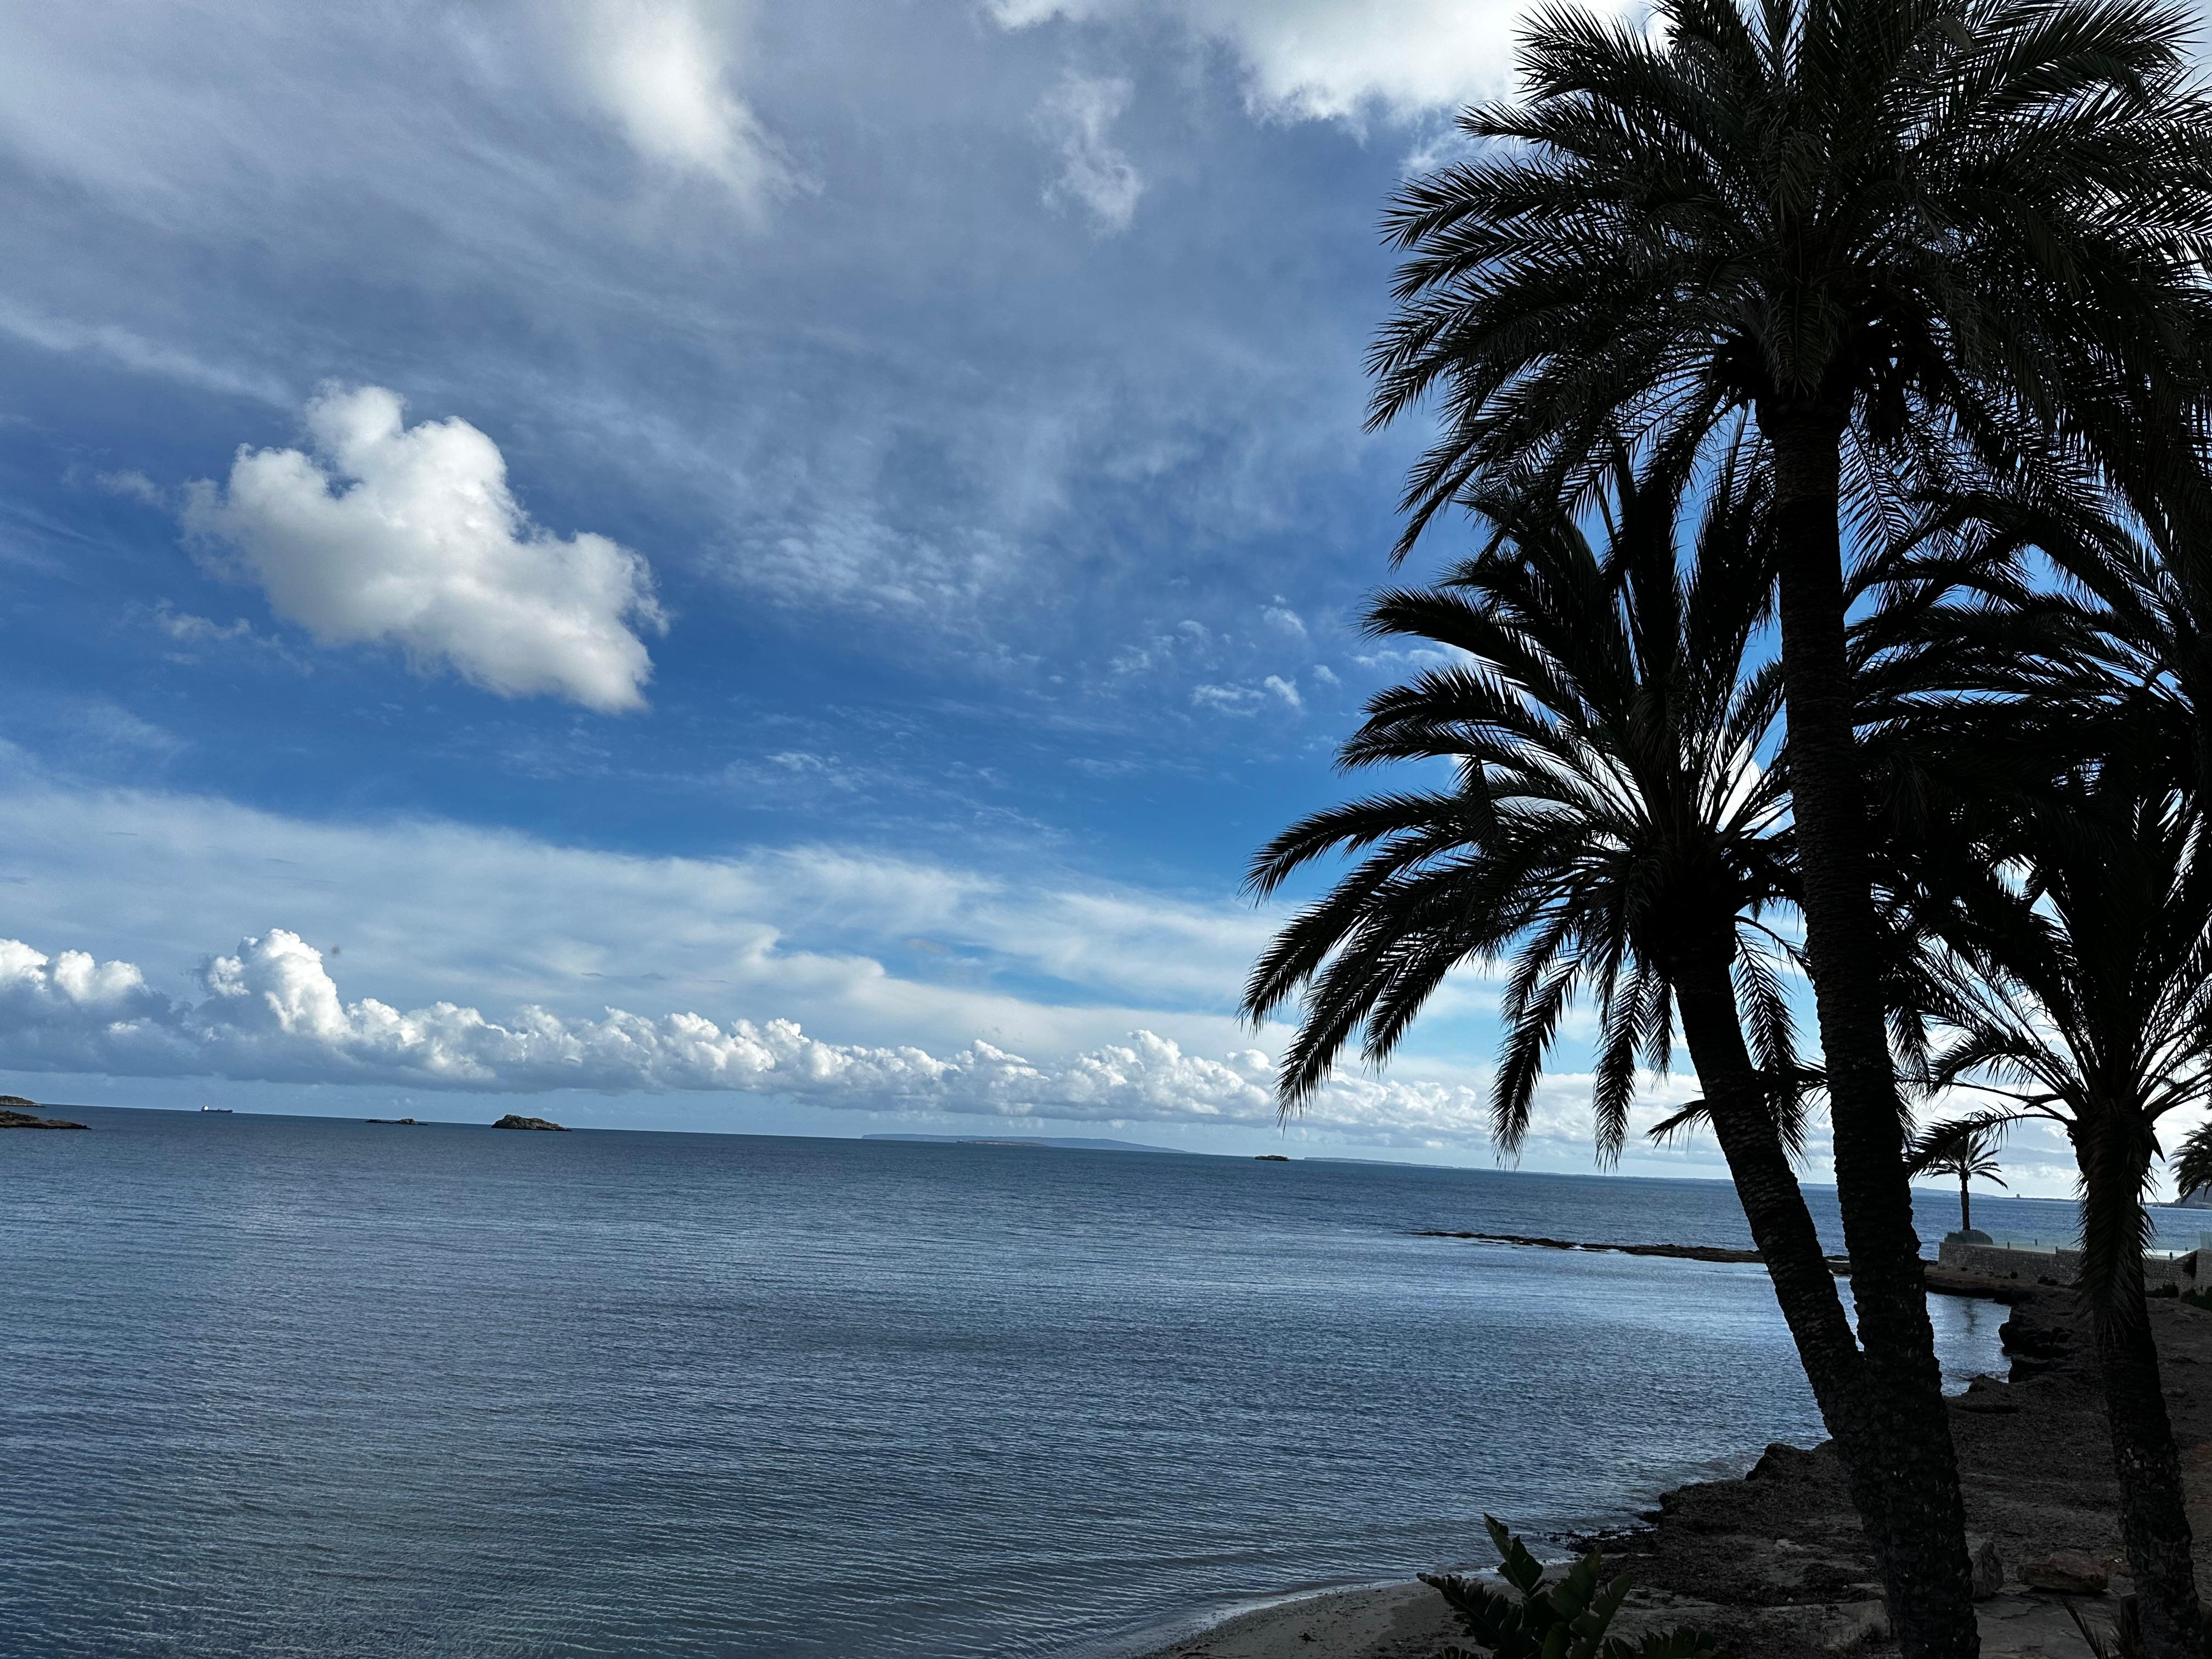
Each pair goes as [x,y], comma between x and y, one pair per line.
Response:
[272,1012]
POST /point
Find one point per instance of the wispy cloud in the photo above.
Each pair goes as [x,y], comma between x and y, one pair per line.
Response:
[1078,115]
[661,71]
[1329,59]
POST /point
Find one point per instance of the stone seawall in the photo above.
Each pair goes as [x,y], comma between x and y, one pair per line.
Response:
[2062,1267]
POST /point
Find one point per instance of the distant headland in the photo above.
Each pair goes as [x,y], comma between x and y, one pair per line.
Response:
[1058,1142]
[12,1116]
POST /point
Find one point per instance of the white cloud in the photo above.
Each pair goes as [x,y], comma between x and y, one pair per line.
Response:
[188,630]
[272,1012]
[133,486]
[410,536]
[1330,58]
[1227,699]
[1247,699]
[1077,114]
[661,72]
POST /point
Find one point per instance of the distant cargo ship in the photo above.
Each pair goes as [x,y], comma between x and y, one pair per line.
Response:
[215,1109]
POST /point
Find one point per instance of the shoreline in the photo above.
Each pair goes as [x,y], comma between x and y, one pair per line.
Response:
[1773,1564]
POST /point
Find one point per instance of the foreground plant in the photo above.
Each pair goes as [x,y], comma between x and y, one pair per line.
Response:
[1569,1618]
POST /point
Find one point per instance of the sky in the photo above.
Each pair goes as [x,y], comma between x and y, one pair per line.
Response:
[697,564]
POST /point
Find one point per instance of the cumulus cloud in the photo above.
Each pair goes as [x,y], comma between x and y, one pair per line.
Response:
[1079,114]
[1330,58]
[661,72]
[409,535]
[271,1011]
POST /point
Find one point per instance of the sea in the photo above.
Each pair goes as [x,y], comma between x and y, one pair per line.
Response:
[302,1386]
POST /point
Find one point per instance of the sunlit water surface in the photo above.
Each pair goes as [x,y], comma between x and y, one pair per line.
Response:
[296,1386]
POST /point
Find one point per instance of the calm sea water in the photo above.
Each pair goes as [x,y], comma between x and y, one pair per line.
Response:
[294,1386]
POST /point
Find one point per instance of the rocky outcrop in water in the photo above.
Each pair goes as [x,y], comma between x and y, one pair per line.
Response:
[11,1119]
[516,1120]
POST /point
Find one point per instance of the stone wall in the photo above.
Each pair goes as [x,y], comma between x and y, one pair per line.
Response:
[2032,1266]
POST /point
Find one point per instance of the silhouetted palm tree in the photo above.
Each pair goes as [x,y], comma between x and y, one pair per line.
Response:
[1895,230]
[1965,1149]
[2075,980]
[1611,831]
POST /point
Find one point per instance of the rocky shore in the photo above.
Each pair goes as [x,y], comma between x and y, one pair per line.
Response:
[1774,1564]
[11,1117]
[1676,1252]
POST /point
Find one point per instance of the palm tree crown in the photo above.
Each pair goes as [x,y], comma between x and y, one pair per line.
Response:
[1609,810]
[1965,1150]
[2077,987]
[1925,219]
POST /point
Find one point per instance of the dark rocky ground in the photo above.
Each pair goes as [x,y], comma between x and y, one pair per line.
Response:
[1775,1563]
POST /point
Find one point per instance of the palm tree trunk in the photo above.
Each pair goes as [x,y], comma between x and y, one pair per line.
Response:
[1924,1567]
[2154,1512]
[1781,1226]
[1965,1207]
[2113,1148]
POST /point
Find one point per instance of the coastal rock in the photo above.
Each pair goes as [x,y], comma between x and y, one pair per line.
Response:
[1781,1461]
[516,1120]
[1989,1567]
[18,1100]
[2066,1573]
[2038,1342]
[10,1119]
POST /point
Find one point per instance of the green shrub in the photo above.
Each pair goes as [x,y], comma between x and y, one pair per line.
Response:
[2198,1298]
[1567,1618]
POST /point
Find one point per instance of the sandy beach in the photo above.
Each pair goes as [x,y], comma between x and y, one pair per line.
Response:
[1773,1564]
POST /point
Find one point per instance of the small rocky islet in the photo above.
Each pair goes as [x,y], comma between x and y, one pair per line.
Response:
[512,1121]
[14,1116]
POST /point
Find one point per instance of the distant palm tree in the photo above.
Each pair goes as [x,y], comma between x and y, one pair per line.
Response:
[1965,1149]
[2192,1162]
[1610,831]
[1901,233]
[2075,980]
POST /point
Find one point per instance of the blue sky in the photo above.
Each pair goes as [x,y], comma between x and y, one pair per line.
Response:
[755,566]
